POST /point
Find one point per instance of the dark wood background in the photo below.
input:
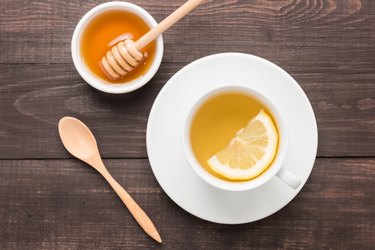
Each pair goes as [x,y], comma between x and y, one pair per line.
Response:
[50,201]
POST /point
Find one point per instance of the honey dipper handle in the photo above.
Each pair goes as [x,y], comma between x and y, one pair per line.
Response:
[166,23]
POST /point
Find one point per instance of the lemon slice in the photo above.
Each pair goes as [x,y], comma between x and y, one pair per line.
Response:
[250,152]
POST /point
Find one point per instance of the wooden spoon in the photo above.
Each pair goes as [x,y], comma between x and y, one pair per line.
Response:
[80,142]
[126,55]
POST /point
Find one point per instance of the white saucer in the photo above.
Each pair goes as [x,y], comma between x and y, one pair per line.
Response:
[164,137]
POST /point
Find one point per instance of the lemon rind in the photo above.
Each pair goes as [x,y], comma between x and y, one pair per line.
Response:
[261,165]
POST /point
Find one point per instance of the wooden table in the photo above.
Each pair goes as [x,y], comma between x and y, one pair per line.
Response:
[50,201]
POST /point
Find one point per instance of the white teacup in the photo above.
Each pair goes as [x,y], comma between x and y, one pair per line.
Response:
[276,168]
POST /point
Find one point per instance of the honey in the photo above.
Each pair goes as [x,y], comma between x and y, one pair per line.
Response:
[106,30]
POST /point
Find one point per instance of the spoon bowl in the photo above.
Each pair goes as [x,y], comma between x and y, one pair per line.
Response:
[78,139]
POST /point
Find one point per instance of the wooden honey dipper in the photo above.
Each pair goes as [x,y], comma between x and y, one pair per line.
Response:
[127,54]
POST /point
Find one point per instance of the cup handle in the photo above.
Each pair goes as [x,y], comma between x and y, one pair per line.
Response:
[289,178]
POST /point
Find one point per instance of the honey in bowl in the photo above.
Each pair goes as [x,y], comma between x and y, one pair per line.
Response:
[106,30]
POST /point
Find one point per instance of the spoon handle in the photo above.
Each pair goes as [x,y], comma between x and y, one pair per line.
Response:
[139,215]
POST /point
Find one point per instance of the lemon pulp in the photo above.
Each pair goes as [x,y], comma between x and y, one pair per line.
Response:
[250,152]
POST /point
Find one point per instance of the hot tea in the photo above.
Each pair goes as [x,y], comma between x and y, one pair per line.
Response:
[233,136]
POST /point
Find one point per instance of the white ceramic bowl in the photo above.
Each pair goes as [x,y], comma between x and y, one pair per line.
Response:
[89,76]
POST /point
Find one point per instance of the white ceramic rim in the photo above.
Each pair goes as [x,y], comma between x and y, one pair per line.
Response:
[95,81]
[271,188]
[257,181]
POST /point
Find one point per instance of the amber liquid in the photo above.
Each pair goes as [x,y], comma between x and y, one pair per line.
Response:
[217,121]
[106,30]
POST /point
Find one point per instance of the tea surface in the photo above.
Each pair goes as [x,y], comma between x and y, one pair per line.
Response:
[217,121]
[106,30]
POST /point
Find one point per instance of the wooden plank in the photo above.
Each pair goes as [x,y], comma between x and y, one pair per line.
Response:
[63,204]
[309,36]
[327,46]
[31,105]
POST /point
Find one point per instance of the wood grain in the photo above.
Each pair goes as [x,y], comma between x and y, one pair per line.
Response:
[53,202]
[327,46]
[63,204]
[306,35]
[31,106]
